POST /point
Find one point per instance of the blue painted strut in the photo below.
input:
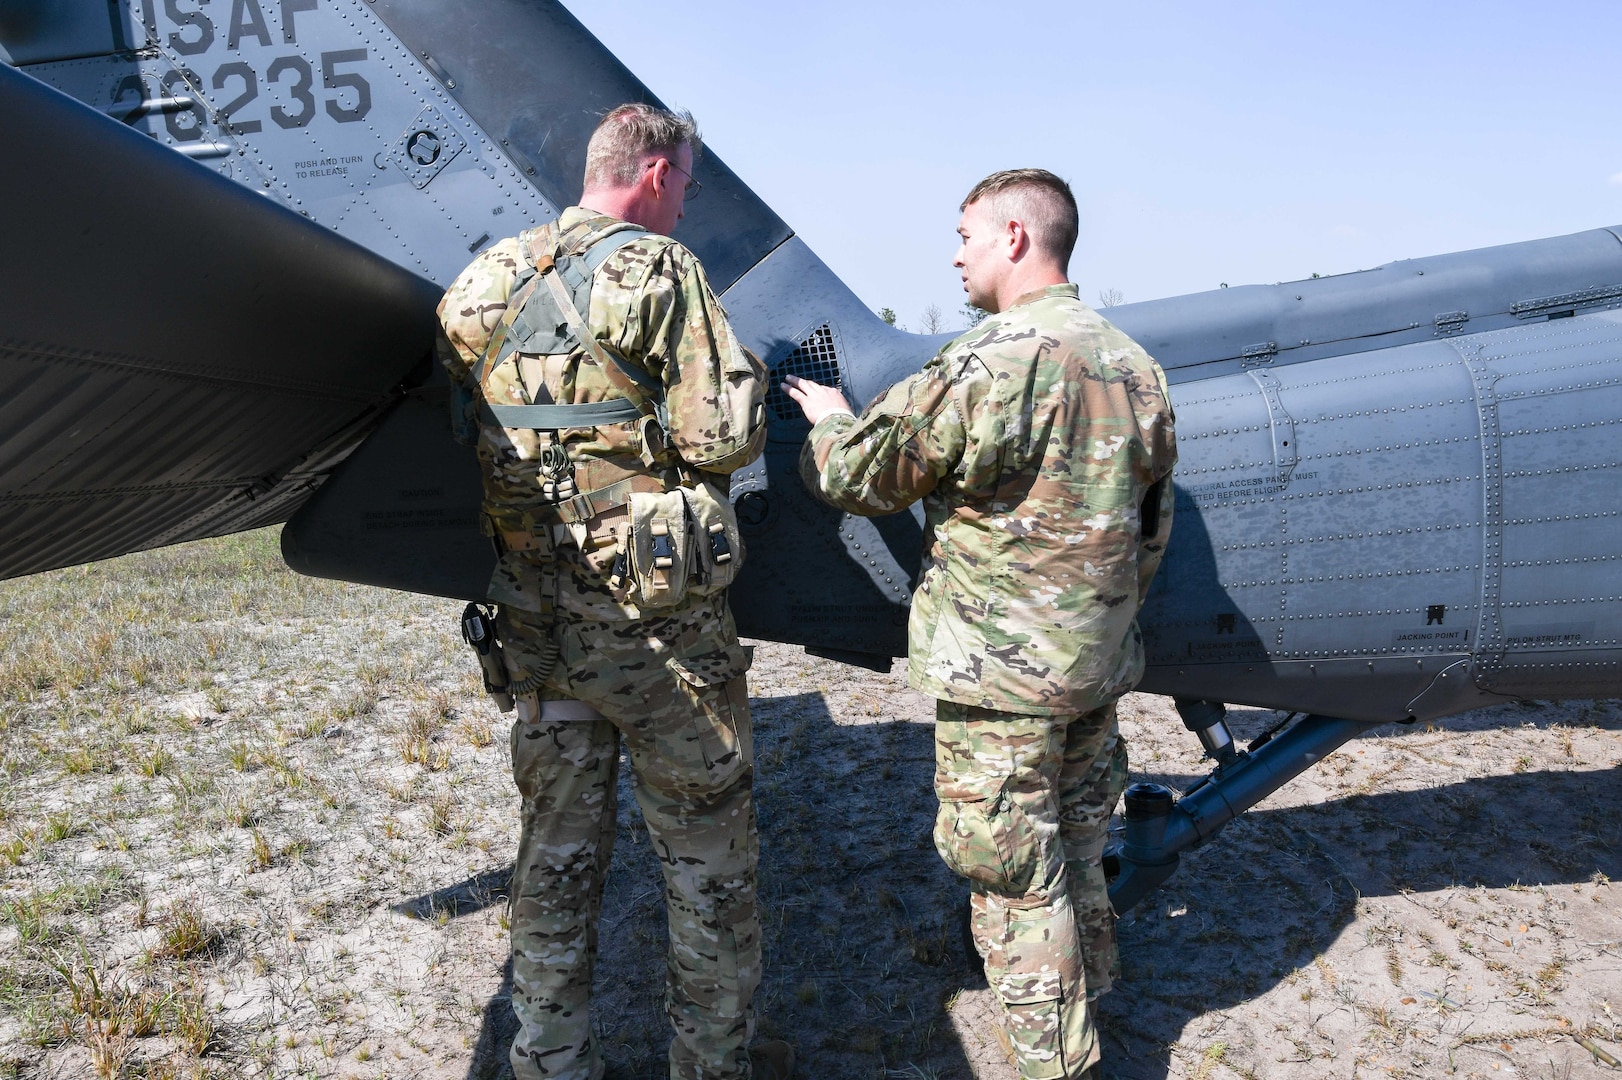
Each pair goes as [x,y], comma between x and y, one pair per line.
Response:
[1159,827]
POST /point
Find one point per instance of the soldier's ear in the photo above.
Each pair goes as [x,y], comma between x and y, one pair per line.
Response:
[1019,241]
[659,177]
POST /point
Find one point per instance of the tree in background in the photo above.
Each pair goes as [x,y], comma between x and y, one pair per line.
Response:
[933,319]
[1110,297]
[888,315]
[971,315]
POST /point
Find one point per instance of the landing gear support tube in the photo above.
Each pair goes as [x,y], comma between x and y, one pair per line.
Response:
[1160,827]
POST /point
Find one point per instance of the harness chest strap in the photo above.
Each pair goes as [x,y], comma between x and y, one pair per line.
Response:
[517,528]
[612,366]
[558,417]
[548,416]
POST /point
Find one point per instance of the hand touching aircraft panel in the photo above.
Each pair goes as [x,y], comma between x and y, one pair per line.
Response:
[1398,488]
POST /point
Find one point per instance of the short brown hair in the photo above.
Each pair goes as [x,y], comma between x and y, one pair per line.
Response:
[628,135]
[1038,200]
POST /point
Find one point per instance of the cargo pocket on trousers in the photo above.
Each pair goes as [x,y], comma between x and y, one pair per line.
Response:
[990,841]
[720,745]
[1033,1002]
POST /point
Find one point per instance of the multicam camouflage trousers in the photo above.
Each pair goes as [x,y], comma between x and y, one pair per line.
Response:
[674,689]
[1025,807]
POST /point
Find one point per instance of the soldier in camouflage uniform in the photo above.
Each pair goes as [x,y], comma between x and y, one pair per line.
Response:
[592,659]
[1041,443]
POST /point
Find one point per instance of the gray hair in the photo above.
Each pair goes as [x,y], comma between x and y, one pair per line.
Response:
[1038,200]
[629,135]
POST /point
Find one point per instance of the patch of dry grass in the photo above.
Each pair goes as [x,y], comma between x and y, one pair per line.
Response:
[203,722]
[257,825]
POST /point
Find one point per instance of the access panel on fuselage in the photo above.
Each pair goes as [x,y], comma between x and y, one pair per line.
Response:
[1556,389]
[1382,516]
[1328,529]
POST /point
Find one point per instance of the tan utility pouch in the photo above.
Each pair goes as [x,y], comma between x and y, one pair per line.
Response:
[718,546]
[659,550]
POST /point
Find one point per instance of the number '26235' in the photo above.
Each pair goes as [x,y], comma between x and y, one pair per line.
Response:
[350,100]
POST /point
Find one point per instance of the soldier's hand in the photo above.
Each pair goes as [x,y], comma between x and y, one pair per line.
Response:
[814,399]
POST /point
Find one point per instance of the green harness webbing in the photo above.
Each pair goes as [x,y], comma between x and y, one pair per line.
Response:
[558,417]
[553,417]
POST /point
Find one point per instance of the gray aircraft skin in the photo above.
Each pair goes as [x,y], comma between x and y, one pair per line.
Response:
[227,226]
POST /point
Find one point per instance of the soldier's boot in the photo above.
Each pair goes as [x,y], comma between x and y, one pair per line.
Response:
[771,1060]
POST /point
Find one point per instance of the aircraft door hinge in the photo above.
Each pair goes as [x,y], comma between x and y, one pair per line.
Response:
[439,71]
[519,157]
[1261,353]
[1450,322]
[1598,298]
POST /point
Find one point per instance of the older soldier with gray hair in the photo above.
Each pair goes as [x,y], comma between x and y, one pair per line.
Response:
[609,400]
[1041,443]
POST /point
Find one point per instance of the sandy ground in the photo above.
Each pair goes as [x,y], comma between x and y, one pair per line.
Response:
[1427,902]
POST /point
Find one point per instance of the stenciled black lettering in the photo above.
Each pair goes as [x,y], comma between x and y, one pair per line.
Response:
[183,19]
[247,20]
[304,80]
[131,85]
[250,90]
[185,125]
[149,20]
[332,79]
[289,9]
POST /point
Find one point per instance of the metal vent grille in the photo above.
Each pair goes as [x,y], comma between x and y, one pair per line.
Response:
[816,358]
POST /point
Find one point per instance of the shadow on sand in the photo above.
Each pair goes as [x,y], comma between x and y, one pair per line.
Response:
[858,913]
[1303,870]
[861,919]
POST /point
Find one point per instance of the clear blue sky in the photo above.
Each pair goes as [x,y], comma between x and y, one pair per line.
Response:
[1239,142]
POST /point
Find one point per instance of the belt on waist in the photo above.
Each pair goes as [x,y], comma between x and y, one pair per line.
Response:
[582,507]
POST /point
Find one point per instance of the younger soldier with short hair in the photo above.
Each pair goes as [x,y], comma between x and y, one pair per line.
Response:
[1041,443]
[611,400]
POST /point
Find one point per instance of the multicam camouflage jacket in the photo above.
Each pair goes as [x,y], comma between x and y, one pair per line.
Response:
[1038,442]
[652,307]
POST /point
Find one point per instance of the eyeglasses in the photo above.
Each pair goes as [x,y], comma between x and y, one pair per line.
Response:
[689,190]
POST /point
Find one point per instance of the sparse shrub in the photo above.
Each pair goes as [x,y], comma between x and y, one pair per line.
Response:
[243,756]
[14,847]
[307,727]
[263,857]
[63,825]
[417,747]
[188,1021]
[442,814]
[134,722]
[240,811]
[27,914]
[361,701]
[88,759]
[477,732]
[156,762]
[185,933]
[442,705]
